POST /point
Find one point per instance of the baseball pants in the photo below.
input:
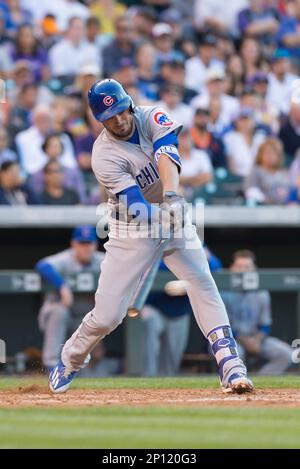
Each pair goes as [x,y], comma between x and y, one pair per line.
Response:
[121,271]
[277,353]
[165,340]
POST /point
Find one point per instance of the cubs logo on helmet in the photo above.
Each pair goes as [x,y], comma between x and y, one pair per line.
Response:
[108,100]
[162,119]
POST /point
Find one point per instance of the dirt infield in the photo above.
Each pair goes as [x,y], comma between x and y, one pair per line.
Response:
[38,396]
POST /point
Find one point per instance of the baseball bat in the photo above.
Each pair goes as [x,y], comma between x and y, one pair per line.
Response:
[146,283]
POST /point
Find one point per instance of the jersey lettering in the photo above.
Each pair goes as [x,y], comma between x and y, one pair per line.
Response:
[147,176]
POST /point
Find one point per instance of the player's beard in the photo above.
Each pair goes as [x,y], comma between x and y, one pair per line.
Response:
[126,133]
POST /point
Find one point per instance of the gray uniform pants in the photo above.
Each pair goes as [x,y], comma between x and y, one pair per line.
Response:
[165,341]
[125,262]
[56,322]
[277,353]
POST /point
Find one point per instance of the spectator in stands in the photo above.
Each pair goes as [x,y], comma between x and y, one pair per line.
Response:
[126,73]
[217,15]
[259,21]
[259,82]
[6,153]
[29,142]
[83,149]
[294,170]
[75,124]
[196,168]
[215,87]
[72,178]
[50,31]
[164,43]
[95,37]
[251,55]
[242,143]
[62,310]
[196,68]
[84,143]
[289,132]
[216,125]
[281,81]
[27,48]
[205,140]
[108,12]
[148,82]
[172,102]
[21,74]
[166,320]
[265,114]
[268,182]
[294,194]
[20,115]
[138,98]
[144,18]
[182,29]
[6,64]
[173,72]
[122,46]
[55,192]
[13,191]
[71,53]
[225,47]
[294,176]
[251,318]
[288,36]
[17,15]
[89,73]
[234,76]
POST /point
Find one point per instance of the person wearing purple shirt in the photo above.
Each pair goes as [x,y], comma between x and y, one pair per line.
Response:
[53,148]
[259,21]
[83,149]
[27,48]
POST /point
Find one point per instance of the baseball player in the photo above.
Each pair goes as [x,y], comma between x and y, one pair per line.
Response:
[62,311]
[136,159]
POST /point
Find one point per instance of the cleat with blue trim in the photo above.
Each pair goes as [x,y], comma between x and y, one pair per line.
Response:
[60,378]
[234,379]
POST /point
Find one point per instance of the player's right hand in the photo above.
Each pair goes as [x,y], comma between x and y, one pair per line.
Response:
[66,296]
[176,206]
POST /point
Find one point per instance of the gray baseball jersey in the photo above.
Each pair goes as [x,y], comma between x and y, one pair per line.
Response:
[64,262]
[119,164]
[248,310]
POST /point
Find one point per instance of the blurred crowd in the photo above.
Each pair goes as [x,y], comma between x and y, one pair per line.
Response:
[227,70]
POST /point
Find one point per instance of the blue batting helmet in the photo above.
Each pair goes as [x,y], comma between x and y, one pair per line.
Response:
[108,98]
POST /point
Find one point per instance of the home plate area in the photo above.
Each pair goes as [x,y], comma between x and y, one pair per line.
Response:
[40,396]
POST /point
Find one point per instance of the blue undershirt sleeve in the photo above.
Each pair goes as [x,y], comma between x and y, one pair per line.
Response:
[265,329]
[49,273]
[136,204]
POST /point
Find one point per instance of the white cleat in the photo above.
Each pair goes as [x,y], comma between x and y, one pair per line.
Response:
[235,379]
